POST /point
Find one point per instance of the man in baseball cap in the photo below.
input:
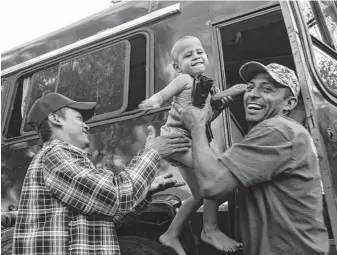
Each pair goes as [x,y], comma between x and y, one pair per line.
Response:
[279,73]
[53,102]
[66,203]
[271,90]
[274,167]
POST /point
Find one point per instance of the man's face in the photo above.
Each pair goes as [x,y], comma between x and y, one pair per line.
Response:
[75,128]
[263,98]
[191,57]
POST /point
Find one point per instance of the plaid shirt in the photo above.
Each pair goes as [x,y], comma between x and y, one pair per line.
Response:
[67,206]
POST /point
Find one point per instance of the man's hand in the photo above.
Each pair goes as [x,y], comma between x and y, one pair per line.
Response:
[192,117]
[168,144]
[219,105]
[163,182]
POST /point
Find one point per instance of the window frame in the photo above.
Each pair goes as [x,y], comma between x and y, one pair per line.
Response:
[126,78]
[4,101]
[4,94]
[96,120]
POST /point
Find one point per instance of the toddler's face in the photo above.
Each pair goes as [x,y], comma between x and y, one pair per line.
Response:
[191,57]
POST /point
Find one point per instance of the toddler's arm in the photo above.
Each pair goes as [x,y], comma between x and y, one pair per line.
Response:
[172,89]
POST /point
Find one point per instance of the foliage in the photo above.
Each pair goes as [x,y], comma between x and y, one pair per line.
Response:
[97,77]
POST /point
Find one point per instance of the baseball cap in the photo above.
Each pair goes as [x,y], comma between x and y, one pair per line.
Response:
[51,103]
[279,73]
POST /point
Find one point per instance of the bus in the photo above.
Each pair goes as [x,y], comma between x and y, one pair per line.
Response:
[121,55]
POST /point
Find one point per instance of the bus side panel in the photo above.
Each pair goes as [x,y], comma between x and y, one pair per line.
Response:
[326,114]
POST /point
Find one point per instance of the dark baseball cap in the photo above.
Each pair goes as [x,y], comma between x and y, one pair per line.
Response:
[53,102]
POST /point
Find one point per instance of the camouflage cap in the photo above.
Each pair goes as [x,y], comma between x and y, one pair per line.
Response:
[281,74]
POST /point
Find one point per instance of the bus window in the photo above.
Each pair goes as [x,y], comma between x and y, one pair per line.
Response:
[100,76]
[311,21]
[321,18]
[327,67]
[329,10]
[114,76]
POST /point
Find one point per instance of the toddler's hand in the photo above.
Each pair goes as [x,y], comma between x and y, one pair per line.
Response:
[149,104]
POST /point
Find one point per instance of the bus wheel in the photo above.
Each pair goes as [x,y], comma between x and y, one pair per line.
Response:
[136,245]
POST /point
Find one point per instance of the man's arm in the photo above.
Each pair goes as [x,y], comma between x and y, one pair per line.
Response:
[76,182]
[256,159]
[160,183]
[214,178]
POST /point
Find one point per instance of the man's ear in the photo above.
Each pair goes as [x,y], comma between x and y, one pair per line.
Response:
[54,119]
[291,103]
[176,68]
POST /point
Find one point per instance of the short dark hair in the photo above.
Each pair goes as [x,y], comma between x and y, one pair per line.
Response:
[44,131]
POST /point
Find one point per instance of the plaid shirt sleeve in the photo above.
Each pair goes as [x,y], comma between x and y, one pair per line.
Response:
[120,218]
[73,179]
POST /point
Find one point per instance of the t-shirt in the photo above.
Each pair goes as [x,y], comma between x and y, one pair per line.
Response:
[280,196]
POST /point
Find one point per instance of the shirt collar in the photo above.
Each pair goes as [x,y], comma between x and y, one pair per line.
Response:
[55,141]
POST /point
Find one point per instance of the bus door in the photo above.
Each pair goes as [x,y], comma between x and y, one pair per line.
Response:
[312,28]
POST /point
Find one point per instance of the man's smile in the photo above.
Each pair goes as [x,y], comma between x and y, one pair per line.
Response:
[254,106]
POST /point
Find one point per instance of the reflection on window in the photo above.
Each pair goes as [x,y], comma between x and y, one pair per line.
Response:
[330,16]
[115,77]
[101,76]
[327,68]
[321,18]
[42,83]
[310,19]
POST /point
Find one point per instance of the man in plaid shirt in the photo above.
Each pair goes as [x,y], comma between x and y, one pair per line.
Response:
[67,205]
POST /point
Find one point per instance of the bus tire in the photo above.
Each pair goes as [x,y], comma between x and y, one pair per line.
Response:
[136,245]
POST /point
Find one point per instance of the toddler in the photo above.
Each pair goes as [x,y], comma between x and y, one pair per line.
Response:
[190,62]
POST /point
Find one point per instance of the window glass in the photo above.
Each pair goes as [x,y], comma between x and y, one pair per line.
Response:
[310,19]
[41,84]
[101,76]
[327,67]
[115,77]
[330,16]
[321,16]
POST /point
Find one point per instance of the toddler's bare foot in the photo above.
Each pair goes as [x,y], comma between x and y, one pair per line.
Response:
[219,240]
[172,243]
